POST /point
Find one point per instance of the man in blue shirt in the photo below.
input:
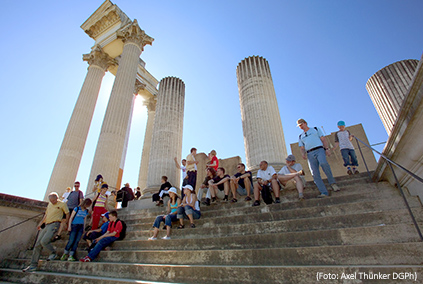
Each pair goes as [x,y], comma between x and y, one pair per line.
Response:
[313,143]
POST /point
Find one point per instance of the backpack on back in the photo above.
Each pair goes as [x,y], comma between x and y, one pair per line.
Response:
[122,234]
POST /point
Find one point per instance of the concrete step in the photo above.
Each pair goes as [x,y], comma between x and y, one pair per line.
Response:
[42,277]
[348,236]
[218,274]
[267,213]
[353,194]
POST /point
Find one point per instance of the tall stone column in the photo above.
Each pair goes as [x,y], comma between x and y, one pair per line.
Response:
[167,134]
[66,167]
[151,109]
[111,142]
[261,121]
[387,89]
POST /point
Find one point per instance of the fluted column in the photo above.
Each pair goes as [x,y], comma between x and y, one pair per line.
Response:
[67,163]
[261,121]
[387,89]
[151,110]
[167,134]
[111,142]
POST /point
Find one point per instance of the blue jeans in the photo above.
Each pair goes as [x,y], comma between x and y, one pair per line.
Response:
[74,238]
[168,220]
[346,154]
[183,212]
[100,246]
[315,159]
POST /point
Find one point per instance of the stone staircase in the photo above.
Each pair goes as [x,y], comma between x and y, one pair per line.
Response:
[358,235]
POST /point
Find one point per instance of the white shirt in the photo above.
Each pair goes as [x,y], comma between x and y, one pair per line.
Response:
[267,174]
[284,171]
[184,172]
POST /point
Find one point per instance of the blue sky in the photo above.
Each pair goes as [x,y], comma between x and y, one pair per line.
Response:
[321,54]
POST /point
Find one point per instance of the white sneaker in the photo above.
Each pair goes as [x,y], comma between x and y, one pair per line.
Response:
[152,239]
[166,238]
[335,187]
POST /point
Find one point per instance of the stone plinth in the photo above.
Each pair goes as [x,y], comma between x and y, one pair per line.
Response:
[69,158]
[261,122]
[167,134]
[335,159]
[387,89]
[14,210]
[404,144]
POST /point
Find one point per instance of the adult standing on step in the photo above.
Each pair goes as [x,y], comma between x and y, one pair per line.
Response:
[192,168]
[314,148]
[48,227]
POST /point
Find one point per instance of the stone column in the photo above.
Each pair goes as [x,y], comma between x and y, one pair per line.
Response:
[111,142]
[261,121]
[151,109]
[167,134]
[66,167]
[387,89]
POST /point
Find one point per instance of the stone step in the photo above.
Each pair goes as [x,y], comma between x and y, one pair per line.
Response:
[241,208]
[268,213]
[217,274]
[42,277]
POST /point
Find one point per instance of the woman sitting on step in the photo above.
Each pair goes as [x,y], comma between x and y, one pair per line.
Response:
[190,207]
[172,207]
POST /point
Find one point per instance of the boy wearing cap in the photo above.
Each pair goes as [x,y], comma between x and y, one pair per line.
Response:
[289,176]
[94,234]
[313,143]
[343,139]
[113,233]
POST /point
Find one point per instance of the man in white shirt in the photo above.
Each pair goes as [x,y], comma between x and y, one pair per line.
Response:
[289,176]
[266,176]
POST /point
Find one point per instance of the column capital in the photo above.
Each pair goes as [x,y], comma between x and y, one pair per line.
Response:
[99,58]
[134,34]
[150,104]
[138,87]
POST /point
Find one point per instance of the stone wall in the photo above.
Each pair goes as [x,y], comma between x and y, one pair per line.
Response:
[335,159]
[13,210]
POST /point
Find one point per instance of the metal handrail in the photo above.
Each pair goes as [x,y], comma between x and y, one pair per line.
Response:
[390,163]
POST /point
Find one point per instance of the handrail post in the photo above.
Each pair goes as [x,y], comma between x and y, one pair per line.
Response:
[406,203]
[362,156]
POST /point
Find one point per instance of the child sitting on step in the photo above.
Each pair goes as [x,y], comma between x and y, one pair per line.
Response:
[172,208]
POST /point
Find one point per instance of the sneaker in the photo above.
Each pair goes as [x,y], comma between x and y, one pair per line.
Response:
[301,198]
[234,200]
[152,239]
[52,256]
[277,200]
[192,225]
[322,195]
[225,199]
[64,257]
[256,203]
[247,198]
[56,238]
[71,258]
[356,172]
[85,259]
[349,172]
[166,238]
[29,269]
[335,187]
[213,201]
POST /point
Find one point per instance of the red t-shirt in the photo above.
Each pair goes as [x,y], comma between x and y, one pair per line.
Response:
[217,162]
[115,227]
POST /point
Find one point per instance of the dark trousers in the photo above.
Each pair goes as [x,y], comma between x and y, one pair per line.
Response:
[192,178]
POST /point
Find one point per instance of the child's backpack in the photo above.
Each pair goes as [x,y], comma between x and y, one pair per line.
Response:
[266,194]
[122,234]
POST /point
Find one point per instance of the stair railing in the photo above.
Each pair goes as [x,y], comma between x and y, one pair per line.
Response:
[390,163]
